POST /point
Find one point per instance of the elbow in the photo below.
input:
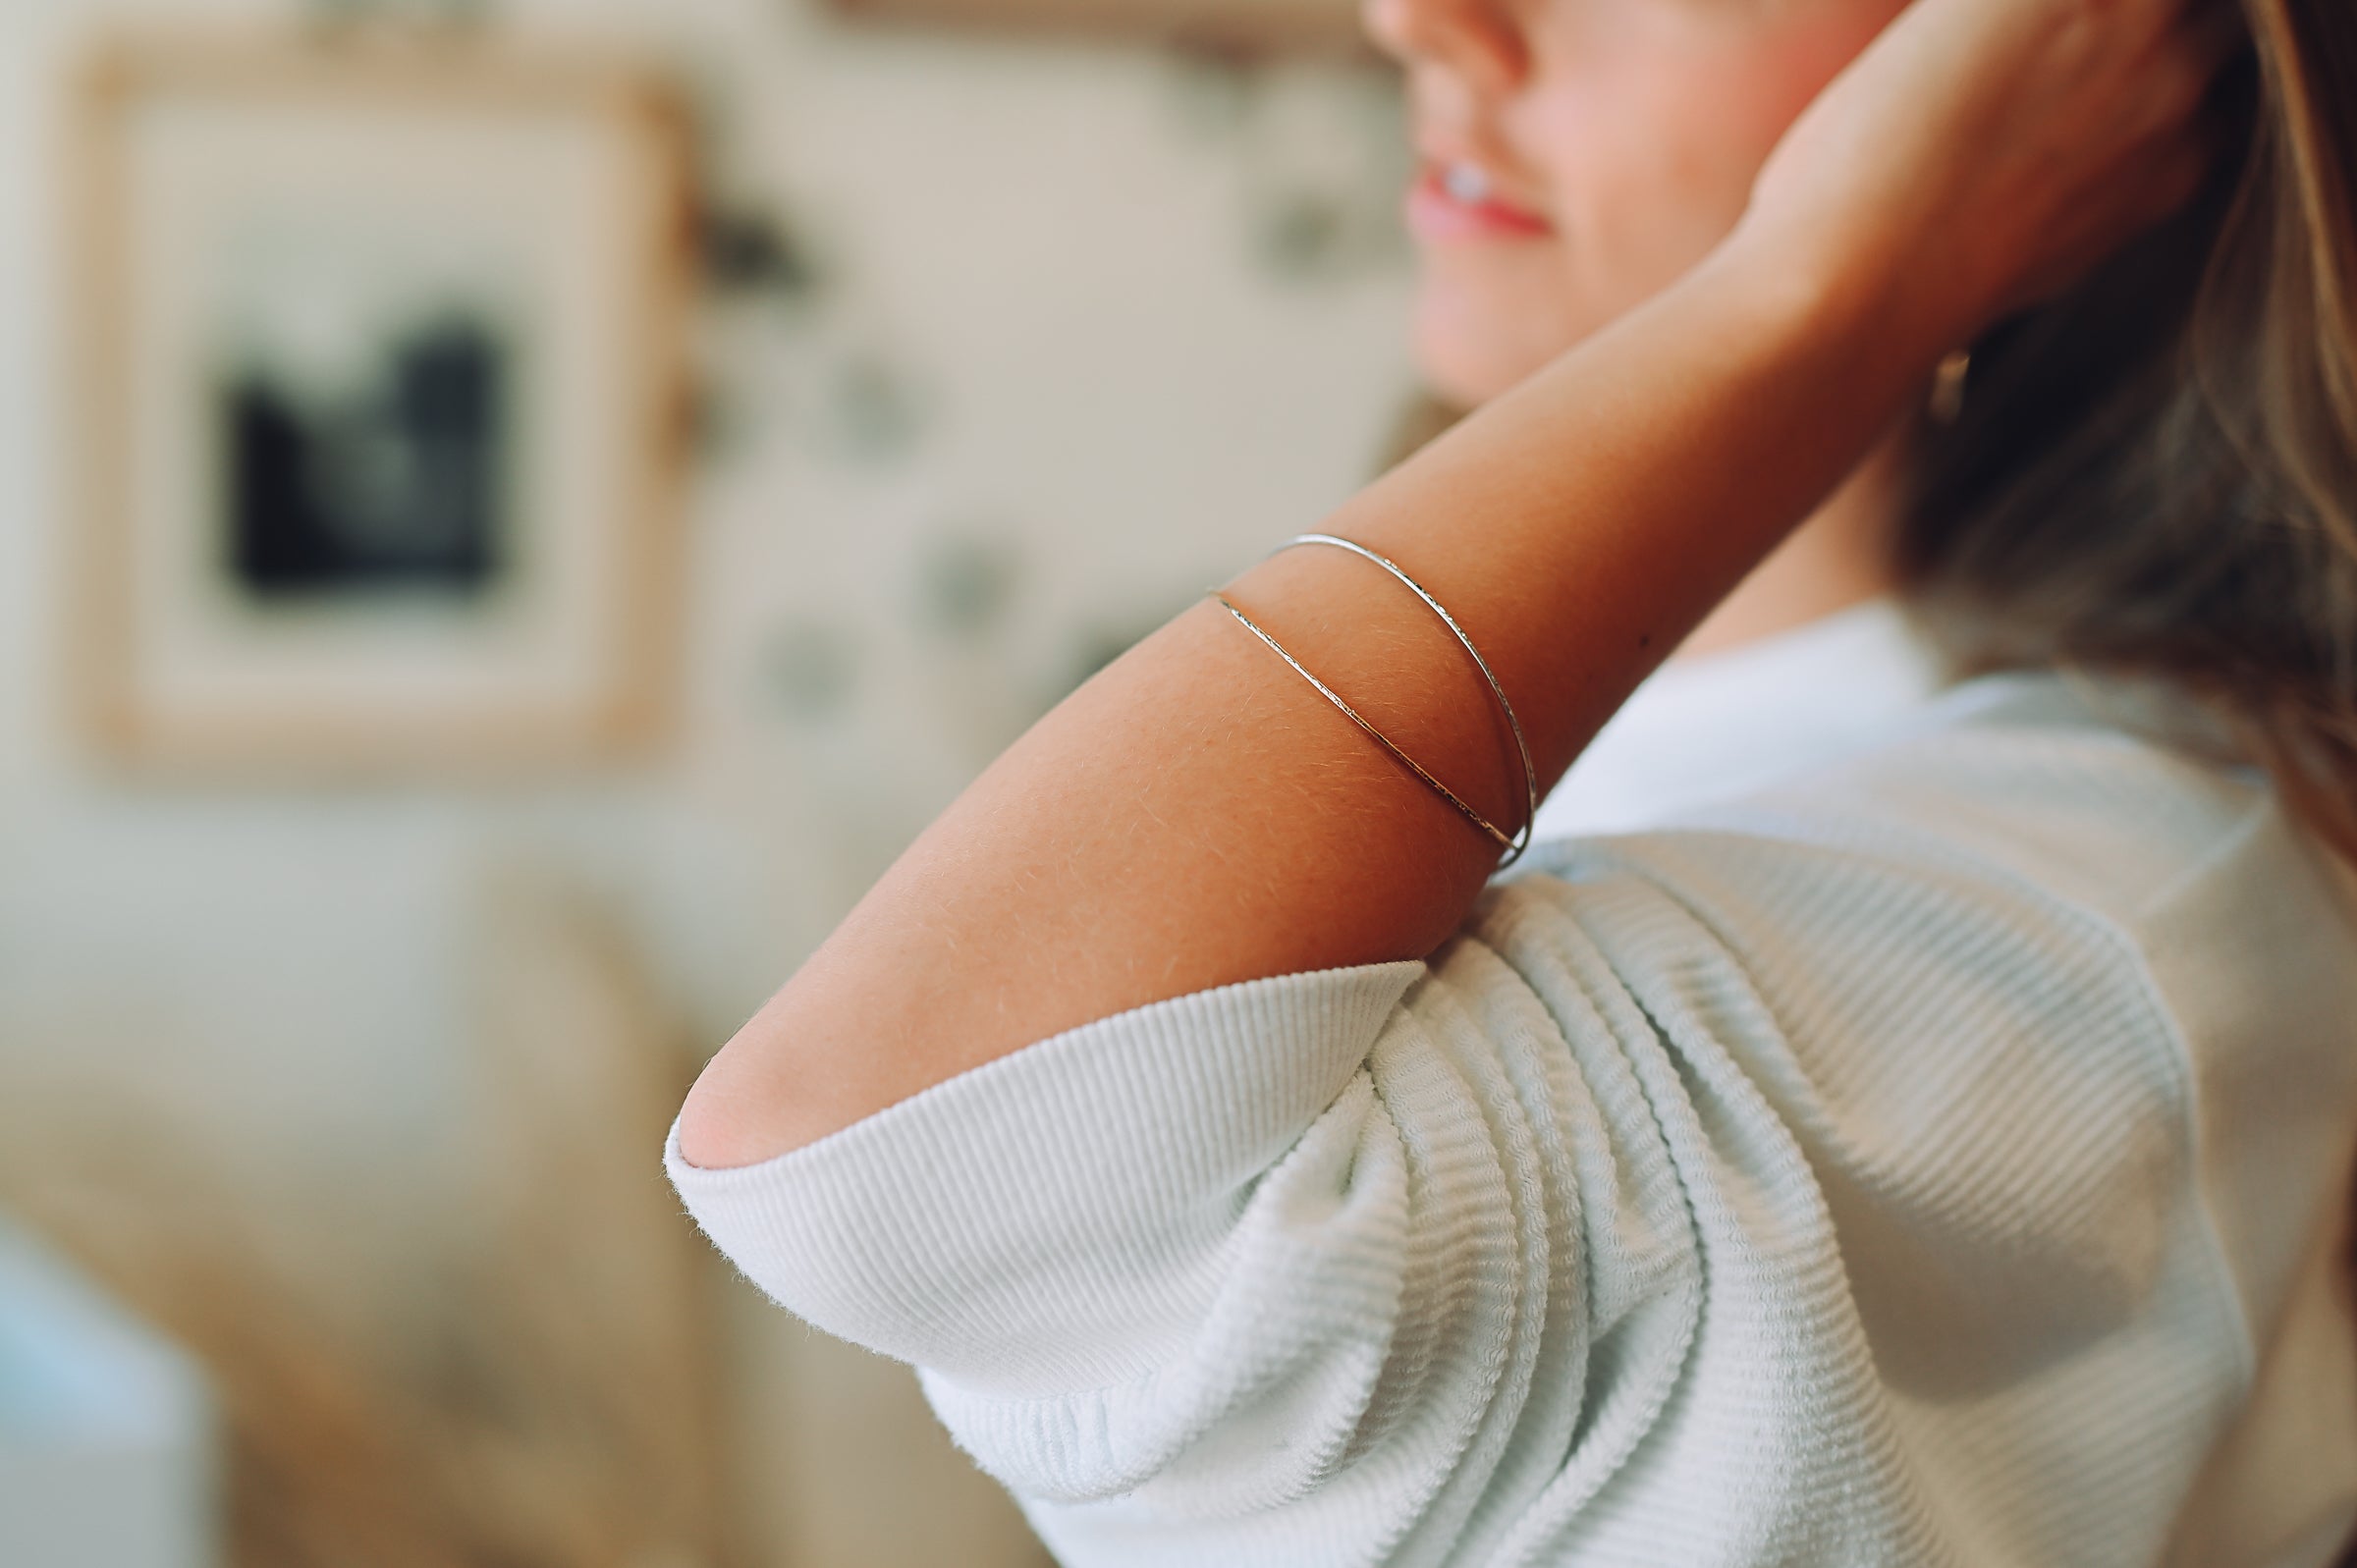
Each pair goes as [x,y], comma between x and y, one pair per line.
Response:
[720,1125]
[806,1067]
[771,1088]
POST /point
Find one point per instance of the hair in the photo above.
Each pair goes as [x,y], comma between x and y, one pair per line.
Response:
[2154,473]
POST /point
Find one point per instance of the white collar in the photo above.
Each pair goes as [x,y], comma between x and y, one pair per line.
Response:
[1706,728]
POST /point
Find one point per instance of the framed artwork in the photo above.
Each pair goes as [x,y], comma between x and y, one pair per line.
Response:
[1243,27]
[379,390]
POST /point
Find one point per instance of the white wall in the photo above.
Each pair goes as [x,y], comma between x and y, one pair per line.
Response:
[1058,247]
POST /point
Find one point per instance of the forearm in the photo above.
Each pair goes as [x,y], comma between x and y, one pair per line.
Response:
[1197,814]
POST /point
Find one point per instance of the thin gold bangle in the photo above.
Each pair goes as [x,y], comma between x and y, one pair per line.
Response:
[1513,845]
[1530,774]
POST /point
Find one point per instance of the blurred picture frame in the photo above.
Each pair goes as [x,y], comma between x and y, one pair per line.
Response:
[378,361]
[1226,26]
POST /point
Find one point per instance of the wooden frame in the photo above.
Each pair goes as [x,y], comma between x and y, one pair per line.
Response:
[1226,26]
[588,565]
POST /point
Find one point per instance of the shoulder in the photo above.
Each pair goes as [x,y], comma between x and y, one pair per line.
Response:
[2020,835]
[2036,911]
[2101,797]
[2030,857]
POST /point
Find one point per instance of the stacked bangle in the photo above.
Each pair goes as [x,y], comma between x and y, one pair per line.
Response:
[1521,840]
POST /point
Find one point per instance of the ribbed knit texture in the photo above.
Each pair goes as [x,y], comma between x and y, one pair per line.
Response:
[1915,1164]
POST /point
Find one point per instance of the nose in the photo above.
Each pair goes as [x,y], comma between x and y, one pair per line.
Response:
[1480,40]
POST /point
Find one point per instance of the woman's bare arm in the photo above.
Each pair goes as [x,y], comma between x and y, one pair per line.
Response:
[1197,814]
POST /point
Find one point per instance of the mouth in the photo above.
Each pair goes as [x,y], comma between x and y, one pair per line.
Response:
[1458,200]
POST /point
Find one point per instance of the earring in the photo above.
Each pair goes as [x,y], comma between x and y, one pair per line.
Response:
[1947,385]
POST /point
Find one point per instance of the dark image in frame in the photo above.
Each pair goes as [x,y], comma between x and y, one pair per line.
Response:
[377,350]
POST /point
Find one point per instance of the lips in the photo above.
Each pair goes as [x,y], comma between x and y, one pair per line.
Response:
[1457,198]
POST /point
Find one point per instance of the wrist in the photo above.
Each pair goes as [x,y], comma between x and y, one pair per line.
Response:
[1843,295]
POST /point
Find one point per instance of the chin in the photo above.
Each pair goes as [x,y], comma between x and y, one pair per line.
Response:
[1469,346]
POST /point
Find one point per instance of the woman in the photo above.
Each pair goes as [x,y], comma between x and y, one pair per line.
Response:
[1937,1154]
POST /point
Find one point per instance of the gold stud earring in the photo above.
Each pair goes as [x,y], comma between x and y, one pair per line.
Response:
[1947,385]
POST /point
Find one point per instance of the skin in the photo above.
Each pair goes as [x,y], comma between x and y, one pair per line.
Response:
[1197,814]
[1635,131]
[1634,126]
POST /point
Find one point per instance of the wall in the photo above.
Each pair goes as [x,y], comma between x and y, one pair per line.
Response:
[1105,361]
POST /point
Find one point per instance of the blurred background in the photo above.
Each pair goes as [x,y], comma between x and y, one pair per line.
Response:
[511,516]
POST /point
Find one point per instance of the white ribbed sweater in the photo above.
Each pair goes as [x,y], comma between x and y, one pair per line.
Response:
[1933,1156]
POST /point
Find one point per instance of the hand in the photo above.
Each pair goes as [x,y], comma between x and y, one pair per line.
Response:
[1979,156]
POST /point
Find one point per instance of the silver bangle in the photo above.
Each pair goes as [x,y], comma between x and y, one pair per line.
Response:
[1333,696]
[1516,844]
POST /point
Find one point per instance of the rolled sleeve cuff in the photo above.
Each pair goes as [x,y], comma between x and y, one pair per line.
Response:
[1052,1220]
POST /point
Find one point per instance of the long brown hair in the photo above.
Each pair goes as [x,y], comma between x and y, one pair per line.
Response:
[2156,473]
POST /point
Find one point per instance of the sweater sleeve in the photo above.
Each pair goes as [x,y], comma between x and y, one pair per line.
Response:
[1407,1263]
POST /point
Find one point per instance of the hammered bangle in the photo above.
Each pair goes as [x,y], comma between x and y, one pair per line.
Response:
[1520,839]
